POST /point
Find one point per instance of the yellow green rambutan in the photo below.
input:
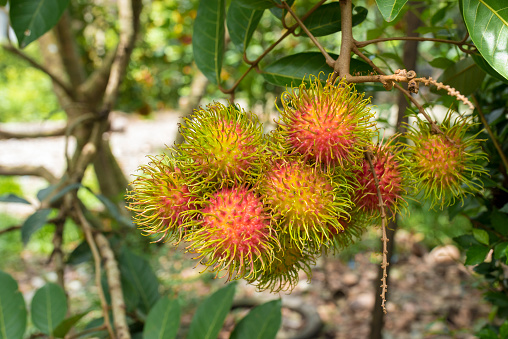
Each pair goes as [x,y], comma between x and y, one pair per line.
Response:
[328,124]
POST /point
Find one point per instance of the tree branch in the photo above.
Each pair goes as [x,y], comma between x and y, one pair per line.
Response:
[343,63]
[361,44]
[10,229]
[59,82]
[37,171]
[58,131]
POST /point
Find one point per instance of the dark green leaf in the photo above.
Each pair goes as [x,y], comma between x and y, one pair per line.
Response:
[439,15]
[487,24]
[504,209]
[256,4]
[163,320]
[66,325]
[12,309]
[497,298]
[499,221]
[292,69]
[80,254]
[503,330]
[500,250]
[132,302]
[487,333]
[34,223]
[49,306]
[45,192]
[326,19]
[13,198]
[114,212]
[64,191]
[481,235]
[279,12]
[138,272]
[476,254]
[209,317]
[242,23]
[441,62]
[30,19]
[465,76]
[484,65]
[208,38]
[390,8]
[262,322]
[3,2]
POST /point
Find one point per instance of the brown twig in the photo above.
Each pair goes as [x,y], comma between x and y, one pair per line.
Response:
[343,63]
[491,134]
[10,229]
[87,229]
[37,171]
[361,44]
[59,82]
[115,287]
[58,131]
[384,238]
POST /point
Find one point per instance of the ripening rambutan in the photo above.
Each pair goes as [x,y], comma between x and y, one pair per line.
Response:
[305,200]
[234,233]
[444,166]
[222,144]
[160,198]
[328,124]
[389,175]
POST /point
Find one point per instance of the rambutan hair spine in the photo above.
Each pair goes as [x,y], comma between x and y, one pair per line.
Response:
[327,122]
[160,199]
[223,145]
[233,233]
[444,167]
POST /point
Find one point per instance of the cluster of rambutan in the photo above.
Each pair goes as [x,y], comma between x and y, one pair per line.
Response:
[263,207]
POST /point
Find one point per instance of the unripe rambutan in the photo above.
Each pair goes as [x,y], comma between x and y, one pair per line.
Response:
[389,175]
[328,124]
[222,144]
[234,233]
[160,198]
[305,200]
[446,166]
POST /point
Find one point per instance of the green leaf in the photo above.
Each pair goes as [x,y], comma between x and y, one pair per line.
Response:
[163,320]
[65,190]
[487,24]
[503,330]
[80,254]
[499,221]
[114,211]
[465,76]
[208,38]
[256,4]
[66,325]
[326,19]
[49,306]
[242,23]
[291,70]
[3,2]
[13,198]
[138,272]
[500,250]
[30,19]
[441,62]
[390,8]
[476,254]
[481,235]
[504,209]
[279,12]
[209,317]
[34,223]
[262,322]
[45,192]
[484,65]
[12,309]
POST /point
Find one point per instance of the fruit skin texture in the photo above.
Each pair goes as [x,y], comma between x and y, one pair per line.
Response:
[327,124]
[234,233]
[444,167]
[305,201]
[389,175]
[223,145]
[160,199]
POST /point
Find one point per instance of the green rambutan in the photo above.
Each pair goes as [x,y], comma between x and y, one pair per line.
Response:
[305,200]
[223,144]
[389,175]
[234,233]
[160,199]
[328,124]
[445,166]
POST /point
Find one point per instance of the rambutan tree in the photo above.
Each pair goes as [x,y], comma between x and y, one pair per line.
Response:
[261,206]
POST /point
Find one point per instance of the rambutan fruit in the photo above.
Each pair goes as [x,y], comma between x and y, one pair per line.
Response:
[389,175]
[305,200]
[445,166]
[223,144]
[160,199]
[234,233]
[328,124]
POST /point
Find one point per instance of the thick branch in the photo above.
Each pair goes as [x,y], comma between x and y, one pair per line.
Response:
[58,131]
[38,171]
[59,82]
[96,83]
[342,65]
